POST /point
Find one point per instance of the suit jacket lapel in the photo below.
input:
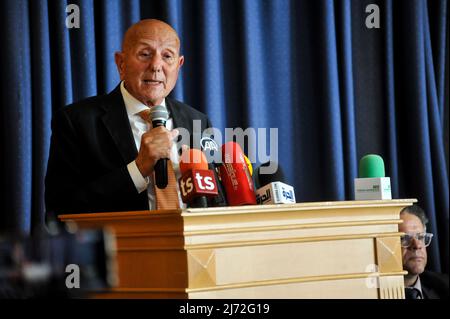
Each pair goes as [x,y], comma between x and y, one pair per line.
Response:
[179,116]
[116,122]
[180,119]
[429,293]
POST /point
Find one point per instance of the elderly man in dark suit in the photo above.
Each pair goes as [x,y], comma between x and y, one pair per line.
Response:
[419,284]
[103,152]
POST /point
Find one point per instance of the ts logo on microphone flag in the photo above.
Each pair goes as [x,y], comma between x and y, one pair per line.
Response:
[197,183]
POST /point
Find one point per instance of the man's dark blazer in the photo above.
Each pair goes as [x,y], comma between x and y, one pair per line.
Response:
[434,285]
[91,145]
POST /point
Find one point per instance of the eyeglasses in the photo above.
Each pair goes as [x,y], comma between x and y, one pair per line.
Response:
[425,238]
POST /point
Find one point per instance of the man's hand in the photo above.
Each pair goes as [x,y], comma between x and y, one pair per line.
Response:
[155,144]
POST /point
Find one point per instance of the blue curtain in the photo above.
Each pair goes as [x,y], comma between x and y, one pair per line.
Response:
[335,89]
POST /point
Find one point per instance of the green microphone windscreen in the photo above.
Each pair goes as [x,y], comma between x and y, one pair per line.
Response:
[371,165]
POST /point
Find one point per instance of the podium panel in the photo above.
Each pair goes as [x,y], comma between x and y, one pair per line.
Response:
[348,249]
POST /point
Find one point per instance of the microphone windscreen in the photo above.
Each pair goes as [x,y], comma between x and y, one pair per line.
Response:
[159,113]
[236,177]
[265,179]
[192,159]
[371,166]
[232,153]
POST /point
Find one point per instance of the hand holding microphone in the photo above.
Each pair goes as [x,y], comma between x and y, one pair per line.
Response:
[155,147]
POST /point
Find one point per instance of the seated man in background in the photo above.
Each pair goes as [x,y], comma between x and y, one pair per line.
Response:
[419,284]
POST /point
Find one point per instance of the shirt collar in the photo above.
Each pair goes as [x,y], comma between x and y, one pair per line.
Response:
[133,105]
[418,286]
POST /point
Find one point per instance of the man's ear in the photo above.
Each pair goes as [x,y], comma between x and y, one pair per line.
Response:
[181,61]
[119,58]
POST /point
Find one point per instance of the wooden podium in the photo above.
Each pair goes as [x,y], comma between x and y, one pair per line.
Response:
[348,249]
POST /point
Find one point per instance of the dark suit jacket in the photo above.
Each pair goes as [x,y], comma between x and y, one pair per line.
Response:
[91,145]
[434,285]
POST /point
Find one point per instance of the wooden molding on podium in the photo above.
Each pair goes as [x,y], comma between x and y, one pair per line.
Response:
[347,249]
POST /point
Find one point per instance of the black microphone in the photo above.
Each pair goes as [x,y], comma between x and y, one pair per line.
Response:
[213,154]
[159,116]
[265,179]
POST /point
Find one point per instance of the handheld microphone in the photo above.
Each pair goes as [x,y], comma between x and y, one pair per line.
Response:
[236,177]
[372,183]
[271,188]
[159,116]
[197,181]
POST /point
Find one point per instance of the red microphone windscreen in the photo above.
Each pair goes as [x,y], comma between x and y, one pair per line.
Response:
[236,177]
[232,153]
[193,159]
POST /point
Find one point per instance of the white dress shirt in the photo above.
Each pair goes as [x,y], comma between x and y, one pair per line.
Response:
[139,127]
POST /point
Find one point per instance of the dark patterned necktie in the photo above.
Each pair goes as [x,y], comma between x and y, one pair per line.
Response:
[412,293]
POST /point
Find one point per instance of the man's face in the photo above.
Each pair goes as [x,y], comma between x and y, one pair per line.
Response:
[415,256]
[149,64]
